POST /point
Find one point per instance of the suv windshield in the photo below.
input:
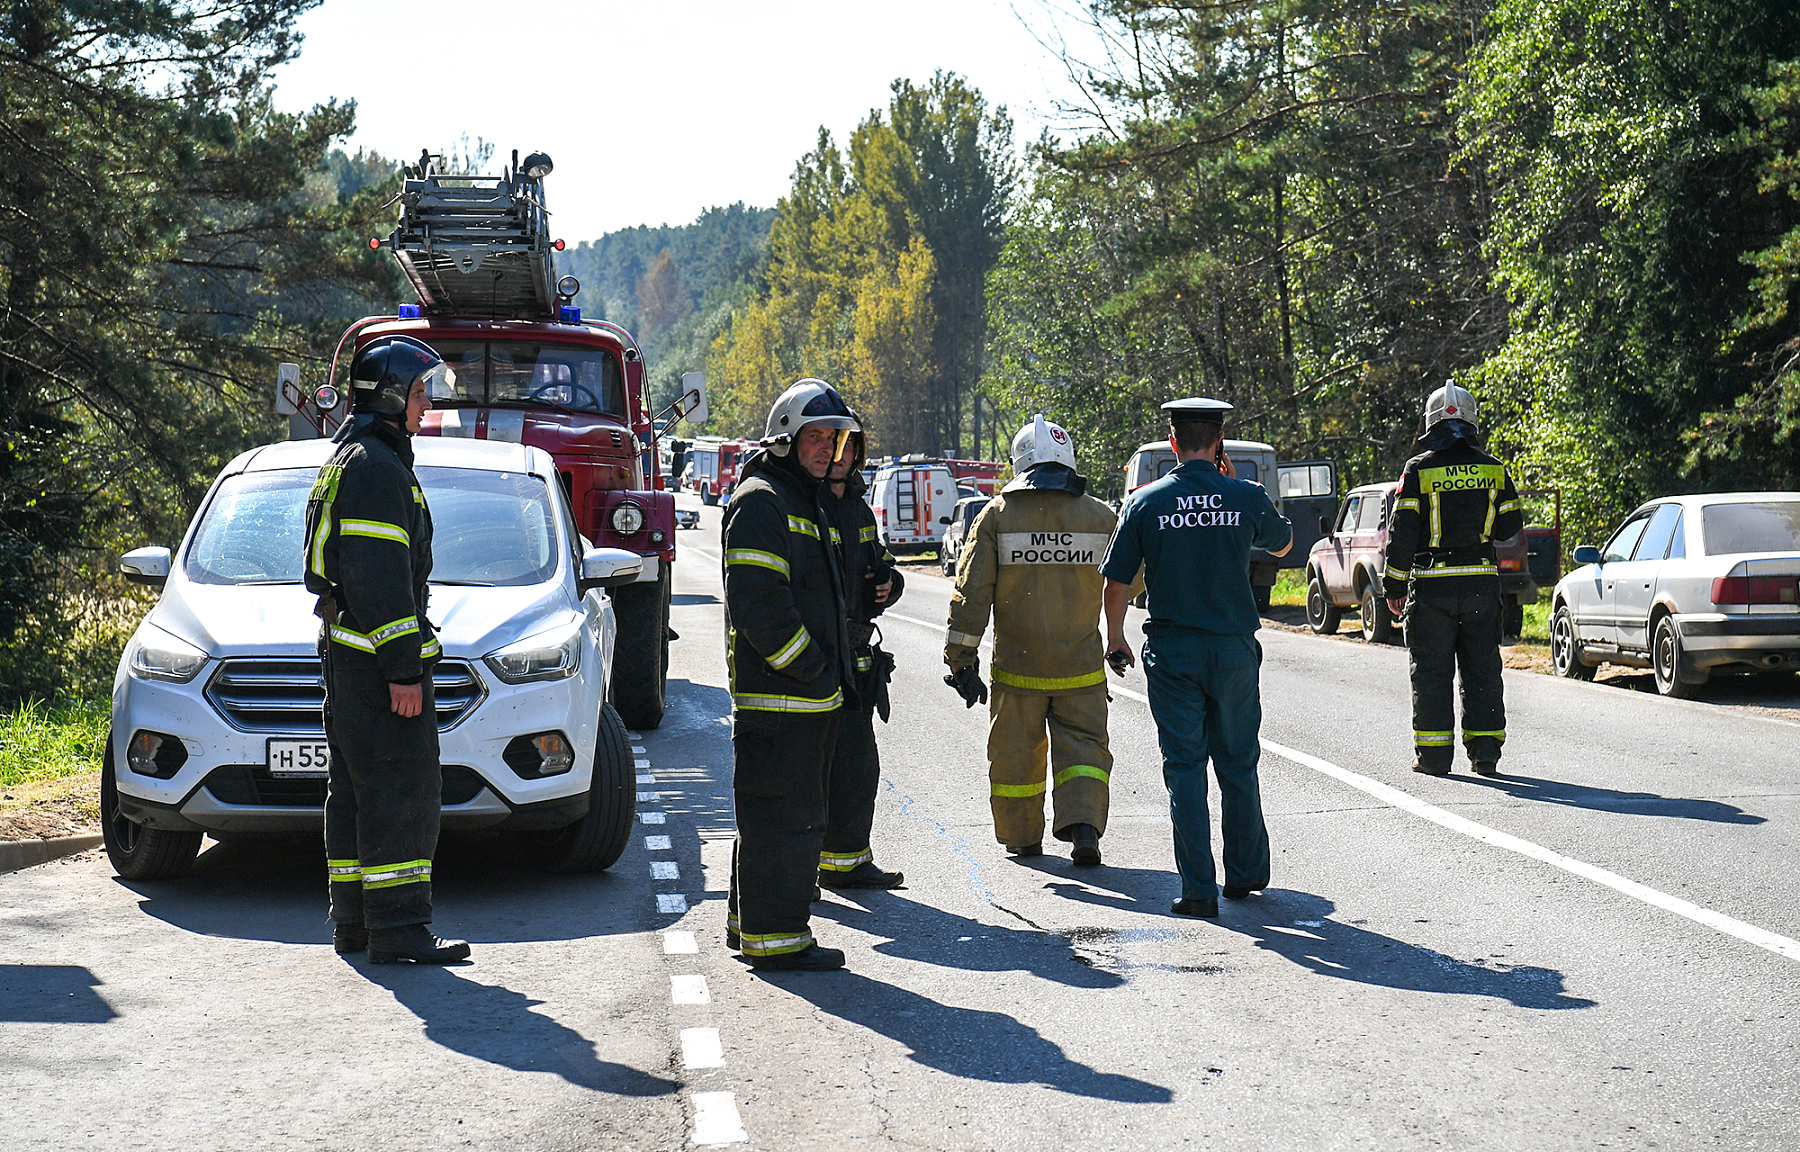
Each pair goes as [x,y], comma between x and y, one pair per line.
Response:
[487,528]
[1763,526]
[514,371]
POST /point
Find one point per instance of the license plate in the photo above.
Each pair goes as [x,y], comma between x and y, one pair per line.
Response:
[299,757]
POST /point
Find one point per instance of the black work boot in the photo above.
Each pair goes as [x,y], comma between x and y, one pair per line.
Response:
[1086,840]
[1035,848]
[349,937]
[1425,769]
[416,943]
[864,875]
[1198,906]
[1487,768]
[811,958]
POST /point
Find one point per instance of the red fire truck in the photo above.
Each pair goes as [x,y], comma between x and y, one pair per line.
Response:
[530,370]
[712,466]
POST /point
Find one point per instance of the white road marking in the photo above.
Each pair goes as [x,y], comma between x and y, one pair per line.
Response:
[1406,802]
[640,765]
[639,749]
[673,903]
[633,735]
[656,843]
[1717,921]
[648,797]
[664,870]
[688,990]
[646,778]
[716,1116]
[700,1048]
[651,817]
[680,944]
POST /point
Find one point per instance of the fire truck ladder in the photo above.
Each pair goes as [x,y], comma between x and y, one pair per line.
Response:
[476,246]
[906,498]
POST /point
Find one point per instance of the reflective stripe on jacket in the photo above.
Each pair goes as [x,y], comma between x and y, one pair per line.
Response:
[1455,500]
[1032,560]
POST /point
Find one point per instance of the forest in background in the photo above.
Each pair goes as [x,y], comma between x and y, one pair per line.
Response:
[1586,210]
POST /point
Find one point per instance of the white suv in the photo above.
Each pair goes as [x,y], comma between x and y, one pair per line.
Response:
[216,718]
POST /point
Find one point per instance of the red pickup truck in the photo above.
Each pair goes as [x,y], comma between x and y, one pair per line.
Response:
[1344,567]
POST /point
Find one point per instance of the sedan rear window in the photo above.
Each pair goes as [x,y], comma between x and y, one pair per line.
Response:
[488,528]
[1759,526]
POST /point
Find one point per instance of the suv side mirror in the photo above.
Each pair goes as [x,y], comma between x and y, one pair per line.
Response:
[1325,525]
[1587,554]
[943,519]
[608,568]
[146,566]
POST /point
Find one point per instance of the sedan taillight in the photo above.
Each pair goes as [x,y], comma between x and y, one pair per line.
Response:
[1755,590]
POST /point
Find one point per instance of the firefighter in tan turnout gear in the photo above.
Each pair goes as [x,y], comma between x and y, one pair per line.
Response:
[1032,559]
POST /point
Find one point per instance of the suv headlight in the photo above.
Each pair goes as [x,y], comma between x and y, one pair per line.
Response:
[533,659]
[160,656]
[627,518]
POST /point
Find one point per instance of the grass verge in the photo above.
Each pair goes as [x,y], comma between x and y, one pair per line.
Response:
[41,741]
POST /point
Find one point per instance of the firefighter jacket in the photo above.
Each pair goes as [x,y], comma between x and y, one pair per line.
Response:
[1033,559]
[864,553]
[786,635]
[368,553]
[1455,500]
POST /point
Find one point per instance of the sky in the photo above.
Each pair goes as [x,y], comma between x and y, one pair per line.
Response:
[652,111]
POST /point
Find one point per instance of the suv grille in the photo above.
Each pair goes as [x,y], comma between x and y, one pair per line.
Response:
[251,784]
[288,696]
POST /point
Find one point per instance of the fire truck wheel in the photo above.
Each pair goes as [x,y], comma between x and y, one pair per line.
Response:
[641,655]
[708,496]
[137,852]
[594,842]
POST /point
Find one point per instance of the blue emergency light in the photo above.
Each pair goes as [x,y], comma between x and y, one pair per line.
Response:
[571,314]
[409,311]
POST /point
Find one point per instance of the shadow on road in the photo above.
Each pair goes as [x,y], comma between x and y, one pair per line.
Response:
[965,1042]
[932,936]
[690,599]
[1608,800]
[1293,925]
[51,994]
[483,888]
[497,1025]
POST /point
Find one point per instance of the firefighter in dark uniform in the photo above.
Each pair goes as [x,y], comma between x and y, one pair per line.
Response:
[788,659]
[1454,501]
[368,557]
[872,584]
[1192,532]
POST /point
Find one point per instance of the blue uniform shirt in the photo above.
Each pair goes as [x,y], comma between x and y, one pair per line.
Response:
[1193,531]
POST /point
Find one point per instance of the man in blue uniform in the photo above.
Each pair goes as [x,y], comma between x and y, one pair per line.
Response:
[1192,533]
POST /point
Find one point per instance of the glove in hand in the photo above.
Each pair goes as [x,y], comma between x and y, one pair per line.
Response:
[968,685]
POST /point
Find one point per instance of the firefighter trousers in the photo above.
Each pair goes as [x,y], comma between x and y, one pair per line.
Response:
[1072,730]
[384,794]
[850,793]
[780,763]
[1454,633]
[1207,702]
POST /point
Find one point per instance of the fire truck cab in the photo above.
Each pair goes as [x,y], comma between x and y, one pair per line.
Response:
[529,370]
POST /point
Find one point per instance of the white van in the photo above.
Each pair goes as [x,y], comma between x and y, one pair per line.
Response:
[913,500]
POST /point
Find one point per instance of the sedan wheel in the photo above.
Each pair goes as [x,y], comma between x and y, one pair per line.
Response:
[1674,676]
[1565,650]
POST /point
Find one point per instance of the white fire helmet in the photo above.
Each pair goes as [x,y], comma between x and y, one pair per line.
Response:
[808,401]
[1041,442]
[1451,402]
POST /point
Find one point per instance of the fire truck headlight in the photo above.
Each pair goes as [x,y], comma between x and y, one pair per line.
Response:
[537,165]
[627,518]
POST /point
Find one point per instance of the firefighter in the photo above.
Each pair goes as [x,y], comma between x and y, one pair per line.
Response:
[872,584]
[789,663]
[1032,561]
[368,557]
[1192,532]
[1443,579]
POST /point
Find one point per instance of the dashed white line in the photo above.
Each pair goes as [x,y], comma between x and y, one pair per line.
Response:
[646,778]
[633,735]
[664,870]
[640,764]
[688,990]
[639,749]
[1719,922]
[671,903]
[716,1119]
[700,1048]
[651,817]
[649,797]
[680,944]
[656,843]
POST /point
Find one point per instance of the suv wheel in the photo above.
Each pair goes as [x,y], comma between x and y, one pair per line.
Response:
[594,842]
[1322,616]
[137,852]
[1675,677]
[1565,650]
[1377,621]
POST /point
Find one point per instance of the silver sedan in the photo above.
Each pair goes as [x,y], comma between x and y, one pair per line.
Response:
[1688,585]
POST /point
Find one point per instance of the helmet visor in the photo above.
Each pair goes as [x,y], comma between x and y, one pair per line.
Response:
[440,381]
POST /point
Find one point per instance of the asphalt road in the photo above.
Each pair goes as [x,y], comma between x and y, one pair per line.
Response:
[1597,949]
